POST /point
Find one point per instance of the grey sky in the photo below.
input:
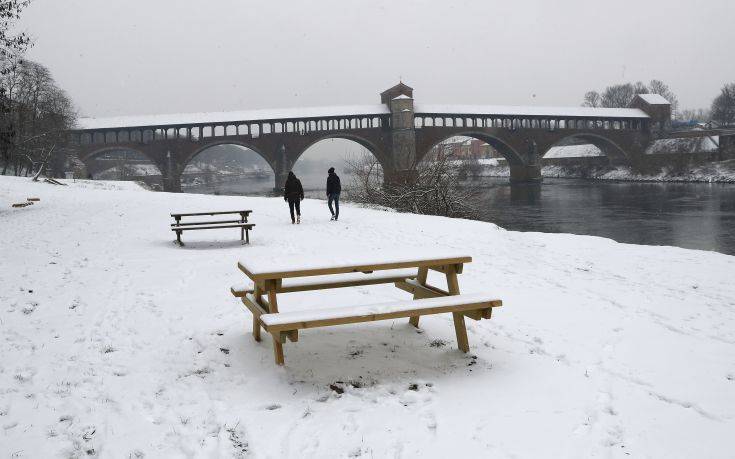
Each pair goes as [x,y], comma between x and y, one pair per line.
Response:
[118,57]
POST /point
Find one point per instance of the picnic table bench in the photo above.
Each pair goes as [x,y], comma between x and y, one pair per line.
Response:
[269,279]
[241,223]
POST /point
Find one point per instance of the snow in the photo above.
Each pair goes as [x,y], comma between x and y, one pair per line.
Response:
[335,260]
[654,99]
[402,96]
[573,151]
[230,117]
[499,110]
[685,145]
[117,343]
[715,172]
[370,309]
[348,277]
[236,117]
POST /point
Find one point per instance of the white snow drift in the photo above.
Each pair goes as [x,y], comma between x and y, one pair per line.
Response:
[117,343]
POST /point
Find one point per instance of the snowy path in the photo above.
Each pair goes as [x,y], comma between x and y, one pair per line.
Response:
[114,342]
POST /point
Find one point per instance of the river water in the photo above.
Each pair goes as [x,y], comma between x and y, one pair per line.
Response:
[690,215]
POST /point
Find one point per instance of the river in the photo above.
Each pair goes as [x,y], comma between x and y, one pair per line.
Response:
[690,215]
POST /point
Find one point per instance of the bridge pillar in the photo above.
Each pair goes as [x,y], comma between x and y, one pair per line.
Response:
[727,147]
[280,169]
[523,173]
[170,173]
[172,183]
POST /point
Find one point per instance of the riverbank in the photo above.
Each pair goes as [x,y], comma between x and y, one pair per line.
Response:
[119,343]
[714,172]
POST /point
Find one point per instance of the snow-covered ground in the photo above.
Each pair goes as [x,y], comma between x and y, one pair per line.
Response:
[720,171]
[573,151]
[117,343]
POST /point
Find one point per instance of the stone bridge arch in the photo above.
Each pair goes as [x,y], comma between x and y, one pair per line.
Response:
[186,157]
[619,149]
[297,146]
[509,149]
[87,157]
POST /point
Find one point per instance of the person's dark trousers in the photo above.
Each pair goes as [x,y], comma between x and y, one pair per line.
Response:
[294,203]
[334,197]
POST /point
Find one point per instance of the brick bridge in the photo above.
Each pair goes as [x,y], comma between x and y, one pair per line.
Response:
[398,132]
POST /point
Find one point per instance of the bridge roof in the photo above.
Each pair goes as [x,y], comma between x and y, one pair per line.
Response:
[184,119]
[187,119]
[512,110]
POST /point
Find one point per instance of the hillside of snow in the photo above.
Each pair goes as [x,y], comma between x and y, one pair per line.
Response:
[115,342]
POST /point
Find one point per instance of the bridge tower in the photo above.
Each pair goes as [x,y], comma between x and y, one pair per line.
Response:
[399,99]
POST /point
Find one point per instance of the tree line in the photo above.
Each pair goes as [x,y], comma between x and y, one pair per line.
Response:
[35,114]
[722,109]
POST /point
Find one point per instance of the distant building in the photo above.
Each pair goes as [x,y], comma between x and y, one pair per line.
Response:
[466,148]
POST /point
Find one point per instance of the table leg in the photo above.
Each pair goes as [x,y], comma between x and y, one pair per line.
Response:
[421,278]
[460,329]
[277,346]
[256,322]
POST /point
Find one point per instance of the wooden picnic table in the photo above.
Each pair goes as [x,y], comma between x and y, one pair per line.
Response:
[269,278]
[241,223]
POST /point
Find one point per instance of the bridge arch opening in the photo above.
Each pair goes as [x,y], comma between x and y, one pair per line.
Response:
[226,168]
[472,146]
[349,155]
[586,145]
[120,163]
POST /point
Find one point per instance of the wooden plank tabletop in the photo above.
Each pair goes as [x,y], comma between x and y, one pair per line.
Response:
[221,212]
[274,269]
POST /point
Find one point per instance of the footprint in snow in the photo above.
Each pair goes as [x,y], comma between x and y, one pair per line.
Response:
[273,407]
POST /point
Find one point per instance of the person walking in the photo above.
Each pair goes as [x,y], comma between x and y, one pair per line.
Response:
[334,188]
[293,192]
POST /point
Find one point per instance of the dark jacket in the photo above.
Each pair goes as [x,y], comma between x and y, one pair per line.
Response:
[333,184]
[293,191]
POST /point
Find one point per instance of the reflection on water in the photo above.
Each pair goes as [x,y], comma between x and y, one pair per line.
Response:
[690,215]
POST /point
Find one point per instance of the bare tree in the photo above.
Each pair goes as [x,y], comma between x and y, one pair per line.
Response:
[723,107]
[592,99]
[621,95]
[662,89]
[40,115]
[11,45]
[434,190]
[699,115]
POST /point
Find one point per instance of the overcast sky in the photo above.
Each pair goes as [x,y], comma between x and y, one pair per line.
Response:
[121,57]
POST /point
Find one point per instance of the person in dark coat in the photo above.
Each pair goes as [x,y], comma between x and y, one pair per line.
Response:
[293,192]
[334,188]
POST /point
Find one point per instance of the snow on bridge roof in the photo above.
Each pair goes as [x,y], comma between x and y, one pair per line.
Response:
[182,119]
[229,117]
[531,111]
[654,99]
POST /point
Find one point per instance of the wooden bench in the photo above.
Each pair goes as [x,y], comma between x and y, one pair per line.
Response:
[269,279]
[241,223]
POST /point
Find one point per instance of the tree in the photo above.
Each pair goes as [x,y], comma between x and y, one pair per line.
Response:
[11,46]
[435,189]
[723,107]
[699,115]
[621,95]
[662,89]
[39,115]
[592,99]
